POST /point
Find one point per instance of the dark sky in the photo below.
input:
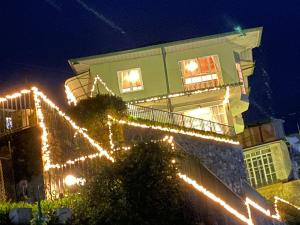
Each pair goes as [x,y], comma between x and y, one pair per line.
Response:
[39,36]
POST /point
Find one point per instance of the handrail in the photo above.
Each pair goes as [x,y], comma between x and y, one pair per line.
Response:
[173,118]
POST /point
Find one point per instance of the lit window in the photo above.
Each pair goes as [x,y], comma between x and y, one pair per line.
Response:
[8,122]
[241,77]
[201,72]
[130,80]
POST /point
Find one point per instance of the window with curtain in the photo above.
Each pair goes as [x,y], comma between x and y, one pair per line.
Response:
[201,72]
[130,80]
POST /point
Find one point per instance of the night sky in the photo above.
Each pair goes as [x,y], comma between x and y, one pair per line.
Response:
[39,36]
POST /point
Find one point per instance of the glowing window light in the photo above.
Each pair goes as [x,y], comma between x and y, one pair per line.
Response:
[133,76]
[191,66]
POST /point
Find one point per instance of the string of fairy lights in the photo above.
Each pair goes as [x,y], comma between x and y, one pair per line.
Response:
[39,97]
[176,131]
[72,99]
[98,79]
[70,96]
[248,202]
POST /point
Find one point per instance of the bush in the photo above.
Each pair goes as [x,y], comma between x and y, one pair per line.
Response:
[48,209]
[140,188]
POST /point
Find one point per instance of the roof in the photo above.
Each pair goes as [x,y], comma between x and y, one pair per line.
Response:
[250,38]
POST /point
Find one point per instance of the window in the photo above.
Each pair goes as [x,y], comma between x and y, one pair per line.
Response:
[241,77]
[260,167]
[130,80]
[201,72]
[8,123]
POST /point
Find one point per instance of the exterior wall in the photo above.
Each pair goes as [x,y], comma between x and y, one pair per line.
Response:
[282,161]
[224,160]
[153,74]
[152,71]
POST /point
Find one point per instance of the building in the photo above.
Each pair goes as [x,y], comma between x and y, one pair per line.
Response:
[204,78]
[266,153]
[271,161]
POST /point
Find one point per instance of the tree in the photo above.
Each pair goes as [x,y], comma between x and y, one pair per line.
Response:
[140,188]
[92,114]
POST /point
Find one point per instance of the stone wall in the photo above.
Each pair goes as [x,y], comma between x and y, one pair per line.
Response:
[224,160]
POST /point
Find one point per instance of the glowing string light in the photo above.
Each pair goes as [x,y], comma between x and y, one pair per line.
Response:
[70,97]
[172,130]
[72,123]
[97,78]
[40,116]
[38,96]
[216,199]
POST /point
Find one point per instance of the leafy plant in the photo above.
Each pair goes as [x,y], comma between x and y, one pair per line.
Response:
[140,188]
[92,114]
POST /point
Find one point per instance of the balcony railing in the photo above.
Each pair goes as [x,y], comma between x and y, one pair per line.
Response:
[178,119]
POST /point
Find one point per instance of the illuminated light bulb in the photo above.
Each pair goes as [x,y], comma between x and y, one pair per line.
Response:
[173,161]
[191,66]
[70,180]
[133,76]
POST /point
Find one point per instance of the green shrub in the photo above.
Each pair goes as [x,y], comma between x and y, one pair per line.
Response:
[140,188]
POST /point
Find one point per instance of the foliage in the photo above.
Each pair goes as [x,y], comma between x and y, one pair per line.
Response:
[92,114]
[48,208]
[140,188]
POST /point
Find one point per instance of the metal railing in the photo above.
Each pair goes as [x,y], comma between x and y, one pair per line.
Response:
[17,113]
[178,119]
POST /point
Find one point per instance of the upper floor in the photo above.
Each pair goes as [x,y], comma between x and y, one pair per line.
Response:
[205,77]
[170,68]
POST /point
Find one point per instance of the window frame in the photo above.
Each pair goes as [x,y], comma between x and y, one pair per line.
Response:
[199,76]
[255,163]
[132,88]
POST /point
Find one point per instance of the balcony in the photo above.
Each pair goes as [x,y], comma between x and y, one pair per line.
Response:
[171,118]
